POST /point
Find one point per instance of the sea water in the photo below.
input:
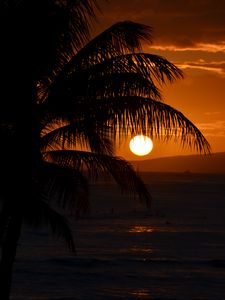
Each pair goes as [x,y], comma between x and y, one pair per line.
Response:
[175,251]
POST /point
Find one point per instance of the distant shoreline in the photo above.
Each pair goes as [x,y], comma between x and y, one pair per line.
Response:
[200,164]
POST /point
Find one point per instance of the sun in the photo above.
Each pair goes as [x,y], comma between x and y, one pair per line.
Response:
[141,145]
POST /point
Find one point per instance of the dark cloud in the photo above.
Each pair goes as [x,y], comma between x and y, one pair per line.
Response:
[175,22]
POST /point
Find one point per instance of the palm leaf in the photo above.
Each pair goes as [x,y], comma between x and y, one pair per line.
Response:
[82,134]
[40,213]
[130,115]
[67,187]
[80,14]
[130,74]
[121,38]
[148,65]
[96,164]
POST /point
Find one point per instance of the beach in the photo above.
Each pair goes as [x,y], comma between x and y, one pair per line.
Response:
[175,251]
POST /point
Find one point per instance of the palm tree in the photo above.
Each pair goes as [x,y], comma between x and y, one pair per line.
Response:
[66,99]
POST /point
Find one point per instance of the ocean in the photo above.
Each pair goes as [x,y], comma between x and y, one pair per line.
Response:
[174,252]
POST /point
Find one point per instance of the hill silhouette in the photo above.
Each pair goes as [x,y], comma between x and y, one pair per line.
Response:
[213,163]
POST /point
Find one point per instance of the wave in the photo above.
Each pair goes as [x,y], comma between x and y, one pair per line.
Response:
[96,262]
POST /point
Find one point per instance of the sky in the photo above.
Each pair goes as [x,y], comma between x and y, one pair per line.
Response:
[190,34]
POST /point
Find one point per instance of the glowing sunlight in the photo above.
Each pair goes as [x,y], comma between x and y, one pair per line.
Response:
[141,145]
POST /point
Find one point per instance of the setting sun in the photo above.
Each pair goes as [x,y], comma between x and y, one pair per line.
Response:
[141,145]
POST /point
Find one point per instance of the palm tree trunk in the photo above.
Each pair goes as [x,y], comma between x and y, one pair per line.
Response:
[8,254]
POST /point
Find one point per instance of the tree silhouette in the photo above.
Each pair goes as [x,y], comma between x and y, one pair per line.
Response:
[65,99]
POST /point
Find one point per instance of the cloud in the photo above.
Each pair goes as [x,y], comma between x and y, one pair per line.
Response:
[211,48]
[207,57]
[179,23]
[214,129]
[213,113]
[215,67]
[216,47]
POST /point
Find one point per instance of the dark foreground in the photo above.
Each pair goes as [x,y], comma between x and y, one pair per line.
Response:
[177,251]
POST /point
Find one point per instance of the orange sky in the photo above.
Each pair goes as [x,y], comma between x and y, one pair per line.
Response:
[191,34]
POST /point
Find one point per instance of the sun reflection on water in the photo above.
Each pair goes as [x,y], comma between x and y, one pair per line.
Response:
[141,293]
[140,229]
[144,249]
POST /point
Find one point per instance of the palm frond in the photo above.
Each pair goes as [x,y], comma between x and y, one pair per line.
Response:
[106,80]
[130,115]
[130,74]
[84,134]
[40,213]
[63,134]
[96,164]
[122,84]
[81,14]
[145,64]
[121,38]
[158,67]
[66,187]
